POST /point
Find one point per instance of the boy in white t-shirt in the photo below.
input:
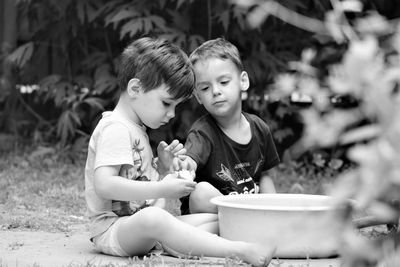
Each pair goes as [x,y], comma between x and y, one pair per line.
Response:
[123,183]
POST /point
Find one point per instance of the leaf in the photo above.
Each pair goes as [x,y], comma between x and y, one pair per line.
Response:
[131,28]
[94,102]
[83,81]
[103,80]
[318,160]
[62,90]
[22,54]
[94,59]
[81,10]
[147,25]
[121,15]
[158,22]
[105,84]
[67,124]
[285,84]
[162,3]
[257,16]
[49,82]
[180,3]
[335,164]
[296,188]
[180,20]
[224,19]
[281,134]
[281,111]
[239,15]
[91,11]
[195,41]
[362,133]
[334,27]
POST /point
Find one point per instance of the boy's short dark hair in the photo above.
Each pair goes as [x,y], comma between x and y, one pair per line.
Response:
[154,62]
[217,48]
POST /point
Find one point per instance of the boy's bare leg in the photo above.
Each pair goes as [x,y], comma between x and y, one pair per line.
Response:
[199,200]
[138,234]
[205,221]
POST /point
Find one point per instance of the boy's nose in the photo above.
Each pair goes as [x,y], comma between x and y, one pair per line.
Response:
[216,90]
[171,114]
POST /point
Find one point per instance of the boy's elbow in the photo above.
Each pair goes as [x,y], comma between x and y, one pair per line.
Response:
[267,185]
[100,186]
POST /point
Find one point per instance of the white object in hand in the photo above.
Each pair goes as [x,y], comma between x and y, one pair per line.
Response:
[185,174]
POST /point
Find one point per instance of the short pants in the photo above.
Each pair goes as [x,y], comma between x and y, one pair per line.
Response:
[107,242]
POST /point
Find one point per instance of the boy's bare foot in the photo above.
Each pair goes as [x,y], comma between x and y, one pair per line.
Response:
[256,254]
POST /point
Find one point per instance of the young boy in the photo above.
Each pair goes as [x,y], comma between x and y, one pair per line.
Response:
[230,150]
[122,180]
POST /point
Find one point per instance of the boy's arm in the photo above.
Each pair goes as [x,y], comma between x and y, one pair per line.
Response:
[109,185]
[266,181]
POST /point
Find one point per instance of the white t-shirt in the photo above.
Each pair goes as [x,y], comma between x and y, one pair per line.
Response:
[116,141]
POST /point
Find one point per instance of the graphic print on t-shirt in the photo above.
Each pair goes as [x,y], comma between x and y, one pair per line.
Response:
[225,174]
[131,172]
[238,179]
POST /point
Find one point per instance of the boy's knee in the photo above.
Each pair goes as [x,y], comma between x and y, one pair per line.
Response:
[199,200]
[152,218]
[202,192]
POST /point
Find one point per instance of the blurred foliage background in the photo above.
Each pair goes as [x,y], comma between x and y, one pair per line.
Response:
[59,60]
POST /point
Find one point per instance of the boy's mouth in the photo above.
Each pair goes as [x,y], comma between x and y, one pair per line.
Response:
[219,102]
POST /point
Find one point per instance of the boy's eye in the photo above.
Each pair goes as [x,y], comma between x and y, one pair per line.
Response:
[166,104]
[224,82]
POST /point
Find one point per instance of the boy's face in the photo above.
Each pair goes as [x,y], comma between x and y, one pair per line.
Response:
[219,85]
[154,108]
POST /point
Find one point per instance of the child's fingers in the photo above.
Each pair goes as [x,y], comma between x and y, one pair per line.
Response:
[176,164]
[173,144]
[190,184]
[180,163]
[162,145]
[181,151]
[176,147]
[171,147]
[184,163]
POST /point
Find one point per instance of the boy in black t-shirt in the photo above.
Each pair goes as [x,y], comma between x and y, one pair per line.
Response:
[230,150]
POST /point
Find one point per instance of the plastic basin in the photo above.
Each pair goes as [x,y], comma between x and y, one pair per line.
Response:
[302,226]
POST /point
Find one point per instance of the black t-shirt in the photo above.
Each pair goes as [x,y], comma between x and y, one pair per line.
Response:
[230,167]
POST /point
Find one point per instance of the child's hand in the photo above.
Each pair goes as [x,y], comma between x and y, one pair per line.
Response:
[176,188]
[183,162]
[167,154]
[186,174]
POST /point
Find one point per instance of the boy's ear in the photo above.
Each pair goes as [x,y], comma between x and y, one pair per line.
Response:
[134,87]
[244,81]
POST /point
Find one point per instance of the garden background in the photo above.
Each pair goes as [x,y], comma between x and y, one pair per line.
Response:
[59,61]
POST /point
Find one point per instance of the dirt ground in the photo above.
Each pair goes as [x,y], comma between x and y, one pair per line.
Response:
[35,248]
[31,248]
[28,248]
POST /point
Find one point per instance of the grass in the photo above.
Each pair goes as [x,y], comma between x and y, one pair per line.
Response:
[41,191]
[42,188]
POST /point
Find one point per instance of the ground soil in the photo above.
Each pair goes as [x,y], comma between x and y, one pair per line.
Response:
[38,248]
[20,248]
